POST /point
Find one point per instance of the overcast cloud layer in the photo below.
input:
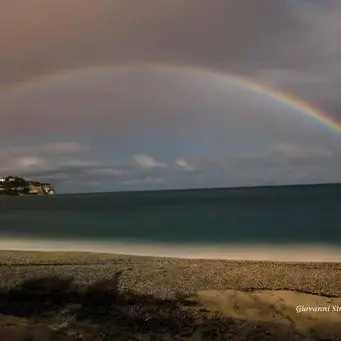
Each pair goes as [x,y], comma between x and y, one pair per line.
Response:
[137,142]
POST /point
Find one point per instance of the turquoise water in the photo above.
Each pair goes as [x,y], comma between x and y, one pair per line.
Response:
[279,214]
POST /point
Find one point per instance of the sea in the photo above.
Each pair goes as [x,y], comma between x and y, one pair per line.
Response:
[276,223]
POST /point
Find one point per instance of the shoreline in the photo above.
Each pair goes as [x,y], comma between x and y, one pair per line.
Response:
[21,257]
[140,297]
[321,253]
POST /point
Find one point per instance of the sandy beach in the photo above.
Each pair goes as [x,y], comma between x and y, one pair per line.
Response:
[88,296]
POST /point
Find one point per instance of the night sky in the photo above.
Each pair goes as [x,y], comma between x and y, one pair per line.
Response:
[118,95]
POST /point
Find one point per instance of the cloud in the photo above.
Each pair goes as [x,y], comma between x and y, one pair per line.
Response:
[292,151]
[31,162]
[309,62]
[292,45]
[289,152]
[48,149]
[111,32]
[56,162]
[287,163]
[105,171]
[70,168]
[60,164]
[283,163]
[147,162]
[31,165]
[43,158]
[273,36]
[184,165]
[142,180]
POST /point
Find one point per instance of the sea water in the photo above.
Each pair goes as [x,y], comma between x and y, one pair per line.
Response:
[273,223]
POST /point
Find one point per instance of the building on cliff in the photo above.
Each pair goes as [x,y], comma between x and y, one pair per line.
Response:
[14,185]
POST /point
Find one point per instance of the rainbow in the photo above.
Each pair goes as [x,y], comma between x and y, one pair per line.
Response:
[245,83]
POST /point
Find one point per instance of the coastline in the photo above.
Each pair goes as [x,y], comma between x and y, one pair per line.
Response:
[234,252]
[246,298]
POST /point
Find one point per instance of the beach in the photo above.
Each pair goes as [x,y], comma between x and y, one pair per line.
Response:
[93,296]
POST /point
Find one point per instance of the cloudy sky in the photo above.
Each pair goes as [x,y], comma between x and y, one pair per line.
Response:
[128,95]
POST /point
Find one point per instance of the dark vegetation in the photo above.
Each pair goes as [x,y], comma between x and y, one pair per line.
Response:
[14,185]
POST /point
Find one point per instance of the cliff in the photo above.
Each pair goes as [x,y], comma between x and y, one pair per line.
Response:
[14,185]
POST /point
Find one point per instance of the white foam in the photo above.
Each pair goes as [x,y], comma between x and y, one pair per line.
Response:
[292,253]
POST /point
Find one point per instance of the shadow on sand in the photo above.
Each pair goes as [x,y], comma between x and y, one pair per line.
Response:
[55,308]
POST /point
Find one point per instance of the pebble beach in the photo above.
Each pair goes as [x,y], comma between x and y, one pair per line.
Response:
[194,290]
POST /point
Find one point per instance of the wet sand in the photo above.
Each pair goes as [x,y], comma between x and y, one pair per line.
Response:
[86,296]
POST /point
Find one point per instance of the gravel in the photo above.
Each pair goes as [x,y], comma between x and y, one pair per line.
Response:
[166,278]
